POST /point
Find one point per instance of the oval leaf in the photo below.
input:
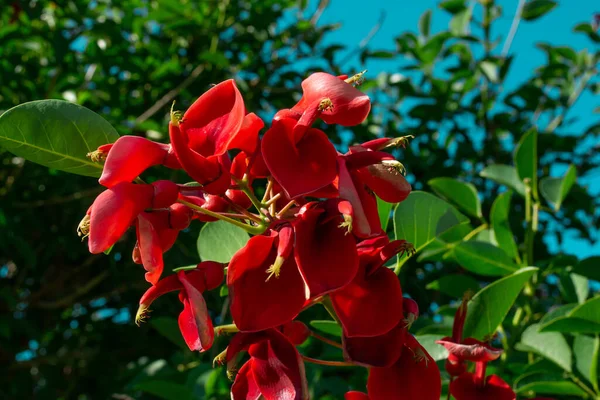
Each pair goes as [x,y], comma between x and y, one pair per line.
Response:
[461,194]
[534,9]
[554,190]
[585,349]
[488,308]
[500,226]
[553,387]
[526,160]
[384,209]
[329,327]
[483,259]
[455,285]
[219,241]
[504,175]
[56,134]
[550,345]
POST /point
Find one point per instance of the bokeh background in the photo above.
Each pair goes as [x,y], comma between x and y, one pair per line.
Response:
[455,77]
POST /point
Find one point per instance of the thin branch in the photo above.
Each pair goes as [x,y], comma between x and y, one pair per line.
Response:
[513,28]
[365,41]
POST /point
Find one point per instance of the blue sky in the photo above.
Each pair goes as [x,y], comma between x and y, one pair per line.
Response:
[358,18]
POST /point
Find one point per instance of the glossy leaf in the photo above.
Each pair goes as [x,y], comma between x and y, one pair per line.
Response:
[488,308]
[550,345]
[329,327]
[56,134]
[462,195]
[504,175]
[384,209]
[500,225]
[585,349]
[554,190]
[454,285]
[553,388]
[422,217]
[219,241]
[483,258]
[526,159]
[535,9]
[436,351]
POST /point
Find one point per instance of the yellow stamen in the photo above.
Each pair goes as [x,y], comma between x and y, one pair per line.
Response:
[97,156]
[220,358]
[176,116]
[408,321]
[394,166]
[275,269]
[419,355]
[347,224]
[141,314]
[326,105]
[357,79]
[402,141]
[83,229]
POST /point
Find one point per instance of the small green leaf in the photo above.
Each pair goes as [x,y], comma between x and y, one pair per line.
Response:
[554,190]
[460,22]
[483,259]
[550,345]
[422,217]
[425,23]
[574,288]
[454,285]
[500,225]
[56,134]
[169,328]
[590,310]
[566,388]
[166,390]
[585,349]
[329,327]
[589,267]
[490,70]
[384,209]
[462,195]
[504,175]
[534,9]
[557,312]
[453,6]
[488,308]
[526,160]
[219,241]
[436,351]
[585,318]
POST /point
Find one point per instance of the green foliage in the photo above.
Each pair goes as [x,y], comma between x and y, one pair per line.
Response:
[219,241]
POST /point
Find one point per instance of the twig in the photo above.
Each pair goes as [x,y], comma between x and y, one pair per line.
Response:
[319,11]
[513,28]
[363,43]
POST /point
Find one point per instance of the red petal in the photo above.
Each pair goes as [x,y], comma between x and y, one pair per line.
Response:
[370,305]
[128,157]
[376,351]
[244,387]
[356,396]
[256,303]
[165,193]
[301,167]
[165,285]
[325,253]
[214,120]
[150,249]
[389,184]
[113,212]
[414,376]
[247,137]
[464,388]
[471,350]
[296,331]
[278,369]
[213,274]
[194,322]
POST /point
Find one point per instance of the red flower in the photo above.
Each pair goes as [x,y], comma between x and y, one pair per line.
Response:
[199,197]
[215,123]
[330,98]
[356,396]
[301,162]
[115,209]
[469,386]
[129,156]
[414,376]
[274,371]
[194,322]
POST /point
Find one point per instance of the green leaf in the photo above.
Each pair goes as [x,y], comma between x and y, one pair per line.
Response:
[490,70]
[504,175]
[166,390]
[584,318]
[500,225]
[574,288]
[454,285]
[329,327]
[483,258]
[554,190]
[557,312]
[589,267]
[425,23]
[384,209]
[56,134]
[435,250]
[526,160]
[220,240]
[550,345]
[534,9]
[169,328]
[587,28]
[488,308]
[585,349]
[462,195]
[566,388]
[436,351]
[453,6]
[460,22]
[590,310]
[422,217]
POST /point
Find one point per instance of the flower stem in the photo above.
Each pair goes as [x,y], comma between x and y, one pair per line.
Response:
[325,340]
[285,208]
[255,230]
[230,328]
[244,187]
[328,363]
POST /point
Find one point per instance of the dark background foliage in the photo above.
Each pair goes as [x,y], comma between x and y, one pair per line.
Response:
[66,326]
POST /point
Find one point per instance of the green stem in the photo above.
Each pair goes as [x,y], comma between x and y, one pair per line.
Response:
[254,230]
[582,385]
[474,232]
[244,187]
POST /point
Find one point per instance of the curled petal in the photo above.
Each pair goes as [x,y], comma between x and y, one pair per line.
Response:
[165,193]
[163,286]
[150,248]
[194,321]
[213,274]
[464,388]
[296,331]
[247,137]
[113,212]
[471,350]
[376,351]
[244,387]
[387,183]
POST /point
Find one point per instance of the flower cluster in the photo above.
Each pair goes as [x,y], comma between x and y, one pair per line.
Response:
[317,237]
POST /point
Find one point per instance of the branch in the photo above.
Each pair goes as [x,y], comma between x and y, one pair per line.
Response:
[365,41]
[513,28]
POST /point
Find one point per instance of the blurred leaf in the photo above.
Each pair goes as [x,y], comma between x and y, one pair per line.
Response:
[422,217]
[589,267]
[169,328]
[329,327]
[56,134]
[488,308]
[462,195]
[425,23]
[534,9]
[586,349]
[585,318]
[499,218]
[504,175]
[453,6]
[550,345]
[574,288]
[552,387]
[554,190]
[384,209]
[454,285]
[586,28]
[526,159]
[436,351]
[490,70]
[220,240]
[166,390]
[460,22]
[483,259]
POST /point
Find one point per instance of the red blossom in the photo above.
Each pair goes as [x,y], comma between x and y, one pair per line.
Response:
[466,387]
